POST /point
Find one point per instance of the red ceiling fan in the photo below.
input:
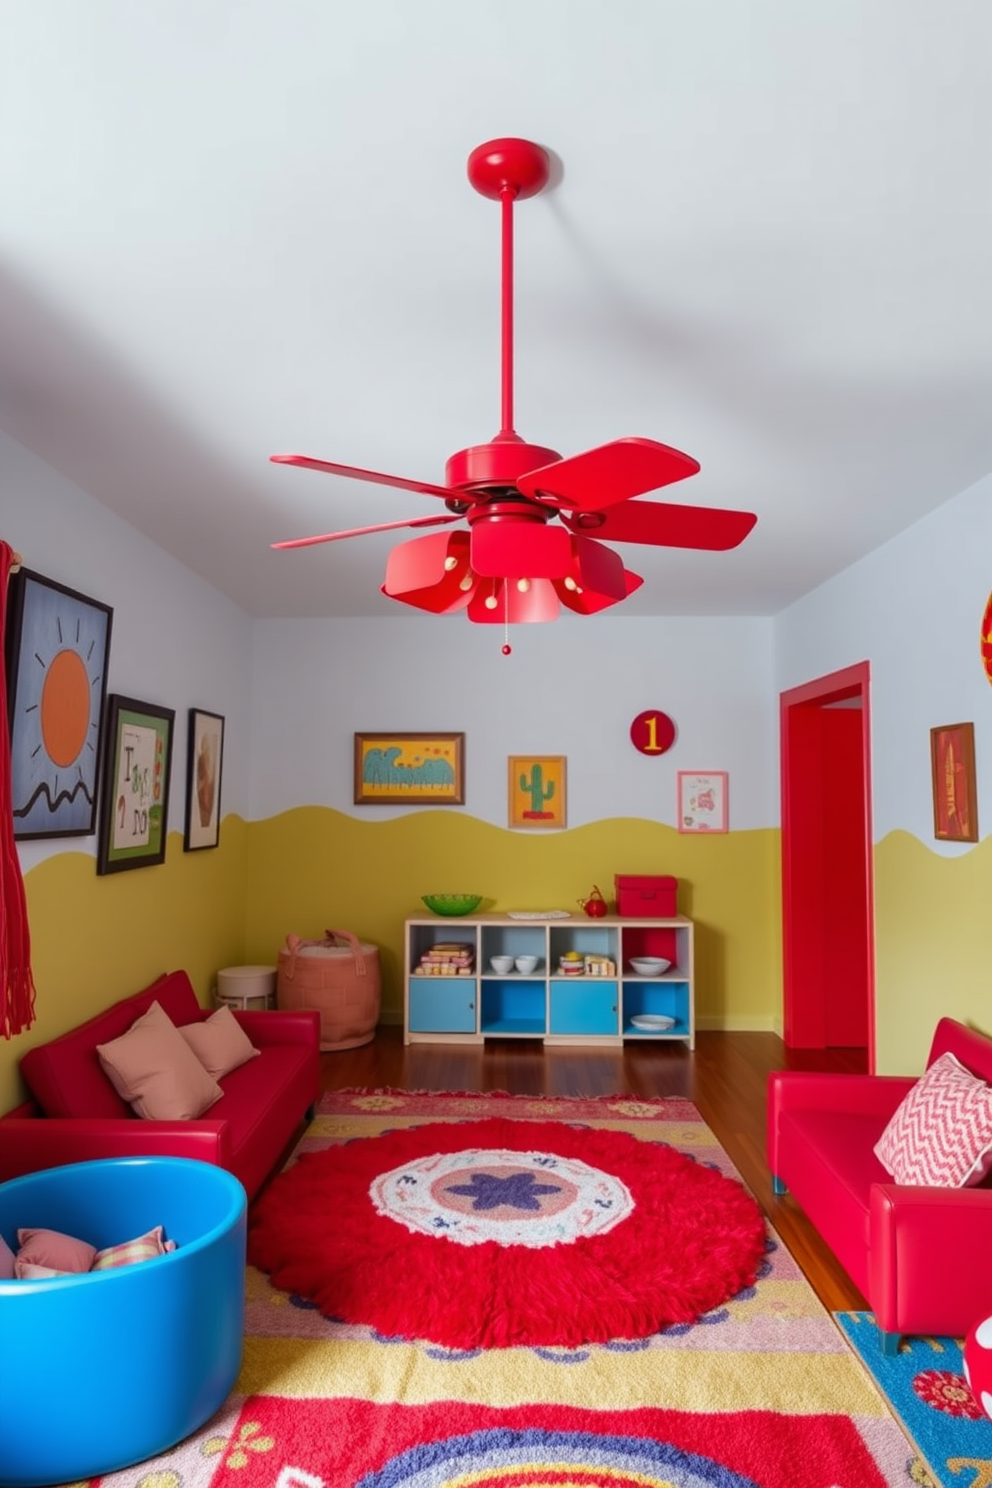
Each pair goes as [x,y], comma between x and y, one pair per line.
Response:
[515,562]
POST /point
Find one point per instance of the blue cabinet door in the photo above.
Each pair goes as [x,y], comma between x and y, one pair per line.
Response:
[586,1006]
[442,1005]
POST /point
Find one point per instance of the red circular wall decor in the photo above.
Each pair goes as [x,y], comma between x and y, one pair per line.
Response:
[987,639]
[652,732]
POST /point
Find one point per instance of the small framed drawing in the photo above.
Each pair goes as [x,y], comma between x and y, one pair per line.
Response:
[134,814]
[536,790]
[702,803]
[955,797]
[402,769]
[204,763]
[58,646]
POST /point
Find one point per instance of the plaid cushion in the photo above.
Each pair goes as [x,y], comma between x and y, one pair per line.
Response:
[144,1248]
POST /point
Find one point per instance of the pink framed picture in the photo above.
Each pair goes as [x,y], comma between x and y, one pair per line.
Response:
[702,801]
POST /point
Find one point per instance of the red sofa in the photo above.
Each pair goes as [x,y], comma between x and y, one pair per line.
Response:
[76,1114]
[921,1256]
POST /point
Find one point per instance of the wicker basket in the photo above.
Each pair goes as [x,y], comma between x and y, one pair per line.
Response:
[340,981]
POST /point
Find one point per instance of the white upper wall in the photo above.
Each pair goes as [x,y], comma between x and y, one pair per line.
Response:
[295,692]
[175,641]
[913,609]
[572,687]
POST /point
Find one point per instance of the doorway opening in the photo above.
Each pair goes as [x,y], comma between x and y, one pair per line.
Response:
[828,936]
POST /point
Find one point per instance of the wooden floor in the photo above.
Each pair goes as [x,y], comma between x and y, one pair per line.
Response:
[725,1076]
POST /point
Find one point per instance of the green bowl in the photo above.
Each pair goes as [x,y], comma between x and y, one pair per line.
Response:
[452,904]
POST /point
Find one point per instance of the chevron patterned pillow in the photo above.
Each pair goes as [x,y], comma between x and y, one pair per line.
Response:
[941,1134]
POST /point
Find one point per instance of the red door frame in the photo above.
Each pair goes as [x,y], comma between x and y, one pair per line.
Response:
[805,1017]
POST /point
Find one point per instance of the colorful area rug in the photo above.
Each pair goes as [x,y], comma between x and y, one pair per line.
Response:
[927,1391]
[762,1392]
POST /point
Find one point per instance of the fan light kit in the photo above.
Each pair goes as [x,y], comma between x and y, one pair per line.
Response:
[529,512]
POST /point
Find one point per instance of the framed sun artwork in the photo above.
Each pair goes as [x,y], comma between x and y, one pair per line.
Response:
[57,650]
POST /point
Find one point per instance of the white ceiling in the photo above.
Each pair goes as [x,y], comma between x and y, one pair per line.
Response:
[235,227]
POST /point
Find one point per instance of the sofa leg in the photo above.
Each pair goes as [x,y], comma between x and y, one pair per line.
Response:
[889,1344]
[778,1187]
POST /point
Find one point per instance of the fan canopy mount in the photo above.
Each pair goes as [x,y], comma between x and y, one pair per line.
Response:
[514,165]
[512,565]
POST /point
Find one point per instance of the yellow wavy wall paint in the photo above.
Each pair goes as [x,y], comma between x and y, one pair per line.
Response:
[314,868]
[95,939]
[933,946]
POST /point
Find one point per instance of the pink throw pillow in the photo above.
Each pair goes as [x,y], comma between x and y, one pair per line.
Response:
[54,1252]
[145,1248]
[219,1043]
[154,1069]
[941,1134]
[6,1260]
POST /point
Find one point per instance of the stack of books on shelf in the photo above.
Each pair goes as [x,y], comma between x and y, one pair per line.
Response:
[446,958]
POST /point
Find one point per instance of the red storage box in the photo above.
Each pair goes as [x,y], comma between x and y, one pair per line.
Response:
[643,896]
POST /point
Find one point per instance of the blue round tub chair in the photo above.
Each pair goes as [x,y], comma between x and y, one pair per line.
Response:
[105,1369]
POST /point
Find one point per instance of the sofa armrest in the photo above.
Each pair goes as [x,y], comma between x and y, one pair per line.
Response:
[263,1028]
[929,1257]
[28,1145]
[802,1090]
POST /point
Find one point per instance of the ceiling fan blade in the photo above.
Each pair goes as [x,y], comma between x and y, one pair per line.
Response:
[663,524]
[607,474]
[308,542]
[354,472]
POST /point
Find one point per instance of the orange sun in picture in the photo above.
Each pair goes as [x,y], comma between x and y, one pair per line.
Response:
[65,707]
[986,639]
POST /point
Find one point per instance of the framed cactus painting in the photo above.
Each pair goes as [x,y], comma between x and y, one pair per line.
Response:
[537,790]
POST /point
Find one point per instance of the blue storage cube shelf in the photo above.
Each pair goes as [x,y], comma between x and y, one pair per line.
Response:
[513,1005]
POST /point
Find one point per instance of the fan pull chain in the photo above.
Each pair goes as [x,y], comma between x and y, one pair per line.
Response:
[506,647]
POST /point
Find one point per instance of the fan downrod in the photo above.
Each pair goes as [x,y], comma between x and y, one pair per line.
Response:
[516,165]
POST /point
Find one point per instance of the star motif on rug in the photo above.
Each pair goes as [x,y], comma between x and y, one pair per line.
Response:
[518,1191]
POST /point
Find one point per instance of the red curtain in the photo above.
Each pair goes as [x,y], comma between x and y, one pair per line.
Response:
[16,982]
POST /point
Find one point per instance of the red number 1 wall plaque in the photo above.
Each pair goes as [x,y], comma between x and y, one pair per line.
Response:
[652,732]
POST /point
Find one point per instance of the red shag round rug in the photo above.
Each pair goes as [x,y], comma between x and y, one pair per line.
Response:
[490,1234]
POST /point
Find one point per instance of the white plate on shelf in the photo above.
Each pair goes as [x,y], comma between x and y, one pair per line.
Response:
[652,1022]
[539,914]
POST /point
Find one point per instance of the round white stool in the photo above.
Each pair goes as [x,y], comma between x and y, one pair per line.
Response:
[246,987]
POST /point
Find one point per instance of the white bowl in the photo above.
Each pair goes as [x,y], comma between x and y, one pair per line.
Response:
[526,964]
[652,1022]
[501,964]
[650,966]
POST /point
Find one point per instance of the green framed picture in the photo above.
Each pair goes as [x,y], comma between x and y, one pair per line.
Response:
[134,815]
